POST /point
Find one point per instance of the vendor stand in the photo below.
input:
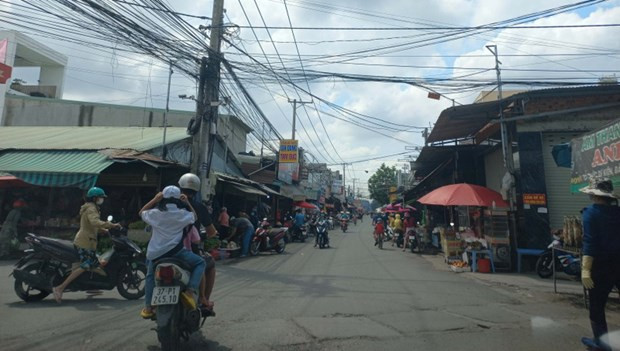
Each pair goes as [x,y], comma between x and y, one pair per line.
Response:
[477,232]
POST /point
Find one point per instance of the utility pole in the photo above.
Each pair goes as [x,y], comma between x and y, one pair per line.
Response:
[506,142]
[344,180]
[209,99]
[164,148]
[295,102]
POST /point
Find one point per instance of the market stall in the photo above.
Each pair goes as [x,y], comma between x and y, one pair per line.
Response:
[476,227]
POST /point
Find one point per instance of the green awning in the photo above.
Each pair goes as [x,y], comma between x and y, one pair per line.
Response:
[55,168]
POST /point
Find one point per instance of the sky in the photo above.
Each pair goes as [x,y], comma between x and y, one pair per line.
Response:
[118,77]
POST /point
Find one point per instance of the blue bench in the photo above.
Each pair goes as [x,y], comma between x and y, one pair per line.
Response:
[530,252]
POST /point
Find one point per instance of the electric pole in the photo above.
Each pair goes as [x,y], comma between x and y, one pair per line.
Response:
[164,148]
[208,101]
[295,102]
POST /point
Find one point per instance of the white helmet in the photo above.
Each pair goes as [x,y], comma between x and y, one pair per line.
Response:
[189,181]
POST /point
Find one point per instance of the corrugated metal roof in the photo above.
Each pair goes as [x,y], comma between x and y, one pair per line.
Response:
[87,138]
[86,162]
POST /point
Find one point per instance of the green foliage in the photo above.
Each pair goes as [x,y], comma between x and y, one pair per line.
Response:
[137,225]
[379,183]
[211,244]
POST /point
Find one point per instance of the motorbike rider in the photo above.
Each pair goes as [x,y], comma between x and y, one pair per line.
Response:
[379,230]
[300,220]
[190,186]
[85,241]
[397,227]
[601,255]
[409,225]
[322,220]
[166,214]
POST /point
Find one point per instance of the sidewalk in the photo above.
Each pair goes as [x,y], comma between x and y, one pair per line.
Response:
[530,287]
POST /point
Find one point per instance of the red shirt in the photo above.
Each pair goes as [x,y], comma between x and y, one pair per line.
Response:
[379,228]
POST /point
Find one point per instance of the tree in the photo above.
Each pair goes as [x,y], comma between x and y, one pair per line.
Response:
[379,183]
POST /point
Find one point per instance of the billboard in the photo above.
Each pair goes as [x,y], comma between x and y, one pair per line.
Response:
[337,186]
[289,151]
[596,156]
[288,172]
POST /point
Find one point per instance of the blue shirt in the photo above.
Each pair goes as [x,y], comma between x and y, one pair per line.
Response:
[601,231]
[300,219]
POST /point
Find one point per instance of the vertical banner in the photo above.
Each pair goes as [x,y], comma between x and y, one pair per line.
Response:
[289,151]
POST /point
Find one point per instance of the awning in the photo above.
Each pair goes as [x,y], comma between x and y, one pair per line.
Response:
[292,192]
[246,189]
[247,182]
[55,168]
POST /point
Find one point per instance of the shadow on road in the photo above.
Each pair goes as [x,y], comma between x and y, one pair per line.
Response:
[197,342]
[87,303]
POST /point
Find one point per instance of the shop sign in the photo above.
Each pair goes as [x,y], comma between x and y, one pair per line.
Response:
[337,186]
[596,156]
[289,151]
[535,199]
[5,73]
[288,172]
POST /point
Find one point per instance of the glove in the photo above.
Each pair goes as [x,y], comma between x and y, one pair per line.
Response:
[586,272]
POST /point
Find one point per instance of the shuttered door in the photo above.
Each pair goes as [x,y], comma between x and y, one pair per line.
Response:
[560,201]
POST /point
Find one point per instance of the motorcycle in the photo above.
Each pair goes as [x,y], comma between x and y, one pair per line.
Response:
[297,233]
[322,236]
[380,240]
[49,262]
[388,233]
[400,238]
[413,240]
[330,223]
[268,239]
[177,315]
[564,262]
[344,225]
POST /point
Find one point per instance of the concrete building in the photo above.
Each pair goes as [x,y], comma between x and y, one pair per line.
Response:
[23,51]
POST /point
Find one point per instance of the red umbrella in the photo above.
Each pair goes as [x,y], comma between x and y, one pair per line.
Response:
[8,181]
[304,204]
[395,207]
[463,195]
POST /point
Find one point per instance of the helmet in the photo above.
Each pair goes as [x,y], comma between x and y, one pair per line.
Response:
[189,181]
[397,216]
[96,192]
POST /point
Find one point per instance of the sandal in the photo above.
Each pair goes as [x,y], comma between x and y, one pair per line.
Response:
[146,314]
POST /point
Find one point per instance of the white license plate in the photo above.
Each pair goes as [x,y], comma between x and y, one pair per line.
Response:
[165,295]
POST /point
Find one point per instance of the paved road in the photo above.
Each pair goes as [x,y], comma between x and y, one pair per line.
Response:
[350,297]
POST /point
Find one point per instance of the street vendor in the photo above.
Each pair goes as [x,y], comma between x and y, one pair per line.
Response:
[601,256]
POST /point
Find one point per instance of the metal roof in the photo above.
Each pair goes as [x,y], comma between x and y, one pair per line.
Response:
[87,138]
[466,120]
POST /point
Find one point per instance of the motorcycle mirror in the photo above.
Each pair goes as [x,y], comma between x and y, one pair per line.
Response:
[110,218]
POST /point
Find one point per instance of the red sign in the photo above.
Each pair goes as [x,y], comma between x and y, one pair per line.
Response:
[534,199]
[5,73]
[433,95]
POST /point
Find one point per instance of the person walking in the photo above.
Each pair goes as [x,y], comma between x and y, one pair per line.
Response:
[8,233]
[601,257]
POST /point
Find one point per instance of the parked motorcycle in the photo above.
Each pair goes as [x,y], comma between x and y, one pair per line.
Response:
[344,225]
[564,262]
[389,234]
[322,235]
[177,314]
[49,262]
[267,238]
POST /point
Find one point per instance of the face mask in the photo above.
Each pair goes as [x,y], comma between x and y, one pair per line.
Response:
[99,201]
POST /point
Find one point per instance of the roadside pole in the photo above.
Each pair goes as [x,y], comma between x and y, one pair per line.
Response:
[208,102]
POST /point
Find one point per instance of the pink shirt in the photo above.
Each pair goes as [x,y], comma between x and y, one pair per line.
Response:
[191,238]
[224,219]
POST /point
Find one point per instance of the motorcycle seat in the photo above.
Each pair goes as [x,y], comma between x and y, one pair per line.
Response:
[64,247]
[173,260]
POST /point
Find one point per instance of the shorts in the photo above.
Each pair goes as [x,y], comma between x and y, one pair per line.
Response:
[88,258]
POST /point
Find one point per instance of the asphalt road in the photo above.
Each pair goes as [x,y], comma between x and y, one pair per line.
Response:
[352,296]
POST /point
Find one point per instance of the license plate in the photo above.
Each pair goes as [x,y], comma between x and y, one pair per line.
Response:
[165,295]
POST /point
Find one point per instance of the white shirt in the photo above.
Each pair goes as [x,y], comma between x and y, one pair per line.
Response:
[167,228]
